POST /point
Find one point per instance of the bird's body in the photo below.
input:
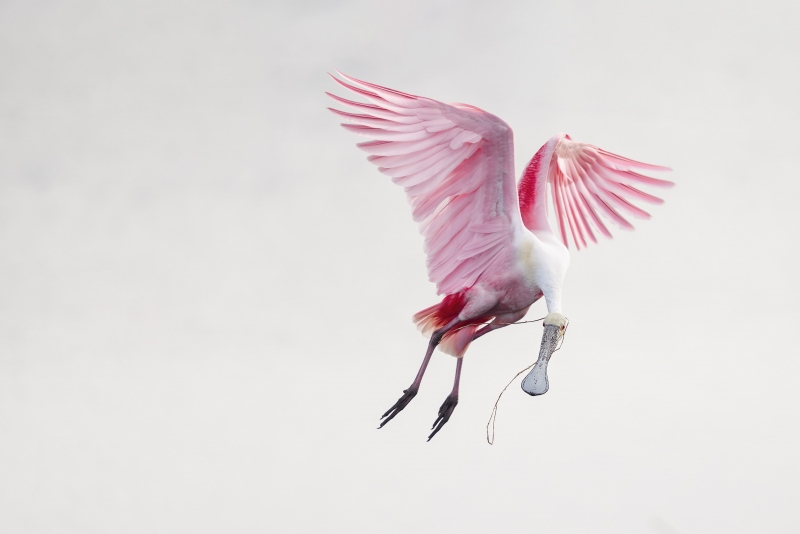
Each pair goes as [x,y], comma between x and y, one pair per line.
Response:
[529,267]
[490,248]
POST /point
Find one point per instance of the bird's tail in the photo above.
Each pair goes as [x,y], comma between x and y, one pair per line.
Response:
[460,336]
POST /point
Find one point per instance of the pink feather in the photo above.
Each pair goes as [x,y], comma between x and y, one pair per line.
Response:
[452,161]
[586,181]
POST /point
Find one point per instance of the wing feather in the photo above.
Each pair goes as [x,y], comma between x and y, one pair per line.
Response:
[586,181]
[373,110]
[455,163]
[577,205]
[590,203]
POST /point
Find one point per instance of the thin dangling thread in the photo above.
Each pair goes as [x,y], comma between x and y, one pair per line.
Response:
[493,323]
[493,416]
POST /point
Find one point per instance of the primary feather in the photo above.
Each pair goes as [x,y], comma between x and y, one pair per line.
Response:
[585,182]
[456,164]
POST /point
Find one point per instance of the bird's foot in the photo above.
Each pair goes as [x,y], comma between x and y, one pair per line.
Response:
[445,412]
[401,403]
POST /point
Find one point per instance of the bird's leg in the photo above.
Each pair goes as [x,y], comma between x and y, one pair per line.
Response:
[412,390]
[482,331]
[500,321]
[449,403]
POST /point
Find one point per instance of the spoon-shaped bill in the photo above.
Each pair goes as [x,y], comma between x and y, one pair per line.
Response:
[535,383]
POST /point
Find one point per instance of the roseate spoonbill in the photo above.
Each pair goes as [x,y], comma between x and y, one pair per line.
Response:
[490,249]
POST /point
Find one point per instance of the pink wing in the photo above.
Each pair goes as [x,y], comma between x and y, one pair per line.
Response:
[455,163]
[585,181]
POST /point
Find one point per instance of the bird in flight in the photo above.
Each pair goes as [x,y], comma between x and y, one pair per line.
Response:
[491,250]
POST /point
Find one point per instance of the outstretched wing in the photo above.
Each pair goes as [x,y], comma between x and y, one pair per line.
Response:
[456,165]
[585,182]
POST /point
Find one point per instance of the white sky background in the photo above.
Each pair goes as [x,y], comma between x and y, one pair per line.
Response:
[206,290]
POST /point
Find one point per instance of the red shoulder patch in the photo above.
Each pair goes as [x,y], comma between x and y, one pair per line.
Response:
[527,185]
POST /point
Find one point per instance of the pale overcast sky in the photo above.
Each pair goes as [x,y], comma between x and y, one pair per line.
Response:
[206,289]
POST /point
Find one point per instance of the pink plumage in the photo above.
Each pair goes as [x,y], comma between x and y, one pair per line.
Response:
[452,162]
[490,248]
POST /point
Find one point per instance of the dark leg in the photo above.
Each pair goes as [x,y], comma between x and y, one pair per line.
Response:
[485,330]
[449,404]
[412,390]
[500,321]
[451,401]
